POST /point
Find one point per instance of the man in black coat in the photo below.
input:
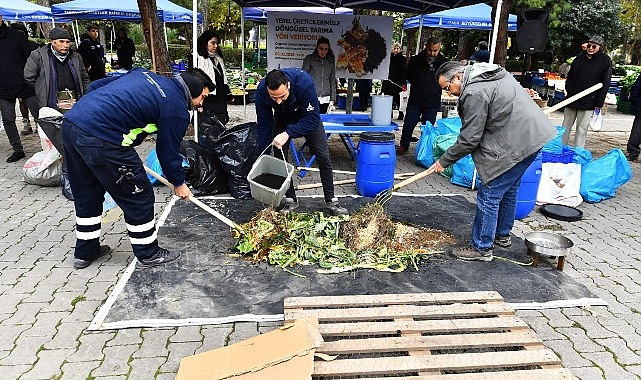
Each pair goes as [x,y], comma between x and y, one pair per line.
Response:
[93,54]
[425,92]
[14,51]
[125,49]
[635,134]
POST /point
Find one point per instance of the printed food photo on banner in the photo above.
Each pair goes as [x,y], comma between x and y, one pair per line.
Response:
[364,49]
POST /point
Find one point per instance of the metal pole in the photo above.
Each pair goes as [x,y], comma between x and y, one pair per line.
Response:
[495,29]
[194,53]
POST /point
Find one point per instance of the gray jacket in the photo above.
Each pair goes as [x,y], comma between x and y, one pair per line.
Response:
[37,73]
[323,71]
[501,124]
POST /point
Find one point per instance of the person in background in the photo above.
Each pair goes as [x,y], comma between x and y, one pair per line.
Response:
[56,72]
[14,51]
[590,67]
[253,39]
[210,60]
[634,141]
[481,54]
[93,53]
[100,134]
[503,140]
[287,108]
[364,89]
[29,101]
[425,94]
[395,81]
[125,49]
[321,66]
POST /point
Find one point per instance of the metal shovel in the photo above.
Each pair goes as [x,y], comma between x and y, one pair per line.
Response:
[198,203]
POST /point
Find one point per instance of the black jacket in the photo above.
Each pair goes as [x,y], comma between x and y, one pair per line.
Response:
[635,97]
[396,75]
[585,73]
[14,50]
[93,54]
[425,90]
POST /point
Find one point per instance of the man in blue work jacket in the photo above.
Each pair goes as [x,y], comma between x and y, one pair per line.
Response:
[287,107]
[99,135]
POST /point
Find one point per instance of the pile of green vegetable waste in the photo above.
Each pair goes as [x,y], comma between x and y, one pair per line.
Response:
[366,239]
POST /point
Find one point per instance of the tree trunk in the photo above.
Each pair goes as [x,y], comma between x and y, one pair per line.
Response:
[500,53]
[44,27]
[152,29]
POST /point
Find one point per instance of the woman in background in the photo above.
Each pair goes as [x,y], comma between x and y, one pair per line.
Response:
[320,66]
[210,60]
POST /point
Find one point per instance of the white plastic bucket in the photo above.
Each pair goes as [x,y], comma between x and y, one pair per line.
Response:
[271,165]
[381,110]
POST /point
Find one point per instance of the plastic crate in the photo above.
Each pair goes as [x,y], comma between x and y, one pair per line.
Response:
[565,157]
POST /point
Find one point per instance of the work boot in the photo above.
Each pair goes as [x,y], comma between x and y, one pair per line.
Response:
[161,256]
[468,253]
[81,264]
[15,156]
[335,208]
[503,241]
[289,205]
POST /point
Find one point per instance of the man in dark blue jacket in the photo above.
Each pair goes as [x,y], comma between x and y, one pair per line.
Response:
[287,107]
[99,135]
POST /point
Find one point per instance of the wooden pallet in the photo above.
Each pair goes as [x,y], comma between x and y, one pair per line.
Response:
[471,335]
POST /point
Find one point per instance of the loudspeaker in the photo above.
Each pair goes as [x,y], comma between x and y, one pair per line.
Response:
[532,30]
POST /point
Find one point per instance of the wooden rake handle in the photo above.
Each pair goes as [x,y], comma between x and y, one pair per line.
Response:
[413,178]
[198,203]
[572,98]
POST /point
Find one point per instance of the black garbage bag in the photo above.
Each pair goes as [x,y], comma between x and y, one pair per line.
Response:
[205,174]
[237,151]
[209,130]
[64,183]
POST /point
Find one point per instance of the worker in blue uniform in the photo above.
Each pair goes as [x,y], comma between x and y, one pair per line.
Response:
[99,135]
[287,107]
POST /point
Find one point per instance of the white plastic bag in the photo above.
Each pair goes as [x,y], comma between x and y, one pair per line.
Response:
[43,168]
[560,184]
[404,97]
[596,120]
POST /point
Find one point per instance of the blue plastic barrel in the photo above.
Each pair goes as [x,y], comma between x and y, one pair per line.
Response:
[526,197]
[375,163]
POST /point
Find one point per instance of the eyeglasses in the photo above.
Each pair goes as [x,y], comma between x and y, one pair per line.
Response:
[447,88]
[593,46]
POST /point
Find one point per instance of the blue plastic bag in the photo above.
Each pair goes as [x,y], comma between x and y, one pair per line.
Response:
[581,156]
[424,155]
[556,144]
[449,125]
[463,172]
[600,178]
[153,164]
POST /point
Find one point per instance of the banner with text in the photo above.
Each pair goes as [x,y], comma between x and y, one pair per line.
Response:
[361,44]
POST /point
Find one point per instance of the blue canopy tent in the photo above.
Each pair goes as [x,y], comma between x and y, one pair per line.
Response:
[22,10]
[120,10]
[259,14]
[477,17]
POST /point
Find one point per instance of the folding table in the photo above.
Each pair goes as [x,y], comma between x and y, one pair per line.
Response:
[345,125]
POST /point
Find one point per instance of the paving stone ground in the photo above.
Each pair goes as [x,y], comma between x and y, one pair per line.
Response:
[46,305]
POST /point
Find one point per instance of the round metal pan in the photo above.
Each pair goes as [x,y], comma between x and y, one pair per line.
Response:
[548,243]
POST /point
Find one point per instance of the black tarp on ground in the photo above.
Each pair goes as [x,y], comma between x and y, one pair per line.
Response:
[207,283]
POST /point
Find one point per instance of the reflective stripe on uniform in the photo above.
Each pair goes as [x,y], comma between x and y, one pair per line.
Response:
[143,241]
[141,227]
[88,221]
[87,235]
[129,138]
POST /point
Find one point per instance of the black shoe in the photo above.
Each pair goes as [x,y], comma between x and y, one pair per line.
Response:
[80,263]
[632,157]
[161,256]
[27,131]
[400,150]
[15,156]
[400,116]
[289,205]
[335,208]
[414,139]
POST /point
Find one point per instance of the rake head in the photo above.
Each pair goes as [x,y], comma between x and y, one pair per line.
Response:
[383,196]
